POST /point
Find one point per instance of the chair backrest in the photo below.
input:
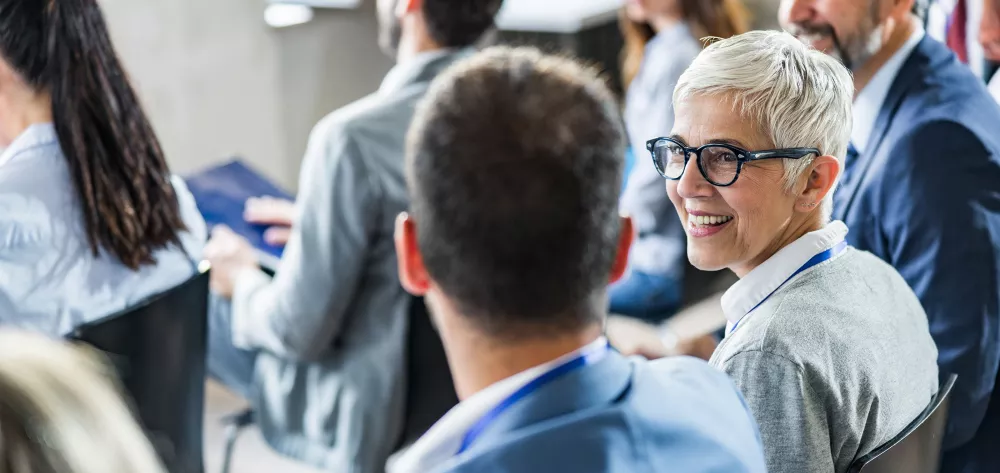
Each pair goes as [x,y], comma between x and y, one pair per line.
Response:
[917,449]
[430,390]
[158,349]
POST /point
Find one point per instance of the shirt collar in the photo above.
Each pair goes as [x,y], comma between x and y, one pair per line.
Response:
[35,135]
[870,99]
[404,72]
[765,279]
[444,438]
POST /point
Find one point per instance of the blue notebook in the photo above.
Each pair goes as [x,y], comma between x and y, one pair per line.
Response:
[221,193]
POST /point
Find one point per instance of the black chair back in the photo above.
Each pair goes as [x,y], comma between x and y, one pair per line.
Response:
[918,448]
[158,349]
[430,389]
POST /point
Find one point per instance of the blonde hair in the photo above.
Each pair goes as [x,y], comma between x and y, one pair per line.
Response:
[796,95]
[60,414]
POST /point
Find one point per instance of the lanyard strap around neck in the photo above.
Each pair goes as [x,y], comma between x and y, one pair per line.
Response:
[815,260]
[589,356]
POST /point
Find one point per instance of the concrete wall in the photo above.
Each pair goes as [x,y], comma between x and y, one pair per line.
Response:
[218,82]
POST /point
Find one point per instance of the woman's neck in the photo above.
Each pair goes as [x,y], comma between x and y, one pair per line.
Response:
[19,109]
[664,22]
[791,233]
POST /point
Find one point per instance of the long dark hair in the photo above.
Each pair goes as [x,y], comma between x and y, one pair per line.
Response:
[62,47]
[715,18]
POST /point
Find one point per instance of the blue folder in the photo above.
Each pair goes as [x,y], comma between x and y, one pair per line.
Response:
[221,193]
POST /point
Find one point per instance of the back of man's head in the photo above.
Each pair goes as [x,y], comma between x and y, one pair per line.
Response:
[514,165]
[448,23]
[459,23]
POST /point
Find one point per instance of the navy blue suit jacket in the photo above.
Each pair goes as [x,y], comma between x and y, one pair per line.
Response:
[925,197]
[623,416]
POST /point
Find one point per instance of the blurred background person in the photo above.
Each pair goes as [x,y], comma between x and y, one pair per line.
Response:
[919,190]
[662,37]
[58,414]
[319,348]
[989,38]
[517,282]
[93,220]
[819,335]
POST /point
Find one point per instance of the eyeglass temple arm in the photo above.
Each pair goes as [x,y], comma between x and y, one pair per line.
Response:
[789,153]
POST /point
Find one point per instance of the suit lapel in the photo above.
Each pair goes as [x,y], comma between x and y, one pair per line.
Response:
[908,75]
[589,387]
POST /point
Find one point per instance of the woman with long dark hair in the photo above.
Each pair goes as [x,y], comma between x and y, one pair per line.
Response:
[662,38]
[91,220]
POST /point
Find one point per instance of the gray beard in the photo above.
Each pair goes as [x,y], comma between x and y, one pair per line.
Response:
[856,55]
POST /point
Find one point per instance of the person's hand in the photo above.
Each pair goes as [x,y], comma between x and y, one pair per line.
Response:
[279,213]
[229,255]
[699,347]
[634,337]
[989,30]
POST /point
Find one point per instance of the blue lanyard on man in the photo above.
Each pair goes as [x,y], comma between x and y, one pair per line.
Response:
[815,260]
[589,356]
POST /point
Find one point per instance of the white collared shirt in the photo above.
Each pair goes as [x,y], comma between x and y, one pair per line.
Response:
[400,73]
[767,278]
[869,101]
[995,86]
[444,438]
[50,280]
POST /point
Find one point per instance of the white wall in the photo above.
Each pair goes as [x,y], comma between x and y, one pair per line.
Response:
[218,82]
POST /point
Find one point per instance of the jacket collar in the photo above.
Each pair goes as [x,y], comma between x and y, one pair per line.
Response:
[422,68]
[592,386]
[928,56]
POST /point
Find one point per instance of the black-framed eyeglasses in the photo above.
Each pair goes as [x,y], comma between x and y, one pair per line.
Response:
[720,163]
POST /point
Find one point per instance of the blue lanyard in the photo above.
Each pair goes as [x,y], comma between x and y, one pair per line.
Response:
[588,357]
[824,256]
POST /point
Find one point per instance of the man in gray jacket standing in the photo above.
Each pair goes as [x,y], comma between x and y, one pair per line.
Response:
[318,349]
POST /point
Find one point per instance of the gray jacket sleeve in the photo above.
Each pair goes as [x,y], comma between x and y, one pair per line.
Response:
[299,313]
[791,416]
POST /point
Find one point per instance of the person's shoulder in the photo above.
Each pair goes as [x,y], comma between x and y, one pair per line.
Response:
[707,416]
[36,197]
[28,224]
[944,106]
[678,410]
[684,381]
[813,302]
[385,109]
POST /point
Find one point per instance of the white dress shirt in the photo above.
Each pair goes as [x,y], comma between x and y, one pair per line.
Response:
[50,281]
[771,275]
[649,113]
[868,103]
[995,86]
[444,438]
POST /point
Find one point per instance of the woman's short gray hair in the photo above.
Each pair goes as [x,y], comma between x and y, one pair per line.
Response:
[799,97]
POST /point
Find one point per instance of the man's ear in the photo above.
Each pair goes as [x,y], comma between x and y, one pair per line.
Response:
[625,238]
[819,182]
[412,273]
[408,6]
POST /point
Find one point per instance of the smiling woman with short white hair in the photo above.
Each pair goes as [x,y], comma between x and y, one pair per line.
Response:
[827,343]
